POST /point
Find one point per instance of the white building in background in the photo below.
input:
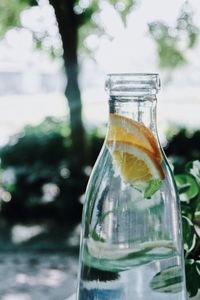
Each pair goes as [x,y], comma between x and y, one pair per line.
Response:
[10,79]
[17,78]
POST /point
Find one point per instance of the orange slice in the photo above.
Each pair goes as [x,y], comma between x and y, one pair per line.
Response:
[136,164]
[129,131]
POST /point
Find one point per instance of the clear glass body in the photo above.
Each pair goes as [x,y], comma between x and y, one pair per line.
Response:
[131,243]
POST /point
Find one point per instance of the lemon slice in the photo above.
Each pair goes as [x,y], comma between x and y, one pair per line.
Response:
[136,164]
[127,130]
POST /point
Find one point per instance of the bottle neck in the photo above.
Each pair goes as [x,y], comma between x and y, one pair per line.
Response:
[139,109]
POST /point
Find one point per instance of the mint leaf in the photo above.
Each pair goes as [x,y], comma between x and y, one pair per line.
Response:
[168,280]
[153,187]
[187,187]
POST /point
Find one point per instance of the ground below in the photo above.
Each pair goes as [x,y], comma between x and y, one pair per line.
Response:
[37,276]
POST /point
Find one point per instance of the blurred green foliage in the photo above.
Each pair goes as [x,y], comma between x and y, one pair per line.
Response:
[87,20]
[183,146]
[37,170]
[37,173]
[173,43]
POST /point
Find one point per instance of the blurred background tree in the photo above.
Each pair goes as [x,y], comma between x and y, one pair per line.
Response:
[174,42]
[75,20]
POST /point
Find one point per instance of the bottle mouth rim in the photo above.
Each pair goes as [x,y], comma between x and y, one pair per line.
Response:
[132,84]
[132,74]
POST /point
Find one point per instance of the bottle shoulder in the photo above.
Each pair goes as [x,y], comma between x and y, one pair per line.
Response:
[106,181]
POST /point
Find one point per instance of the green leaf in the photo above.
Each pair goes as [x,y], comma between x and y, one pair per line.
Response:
[168,281]
[193,36]
[187,186]
[194,169]
[153,187]
[10,14]
[123,7]
[189,235]
[192,268]
[187,210]
[197,213]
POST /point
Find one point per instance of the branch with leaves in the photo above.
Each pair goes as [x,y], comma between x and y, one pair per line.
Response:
[173,43]
[189,190]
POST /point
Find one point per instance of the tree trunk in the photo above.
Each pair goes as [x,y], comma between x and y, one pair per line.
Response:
[68,28]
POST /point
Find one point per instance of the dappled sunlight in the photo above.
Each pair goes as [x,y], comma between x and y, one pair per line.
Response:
[82,199]
[51,278]
[8,176]
[88,170]
[16,297]
[22,233]
[50,192]
[37,276]
[4,195]
[74,237]
[65,172]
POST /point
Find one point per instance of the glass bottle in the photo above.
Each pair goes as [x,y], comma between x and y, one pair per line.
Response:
[131,244]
